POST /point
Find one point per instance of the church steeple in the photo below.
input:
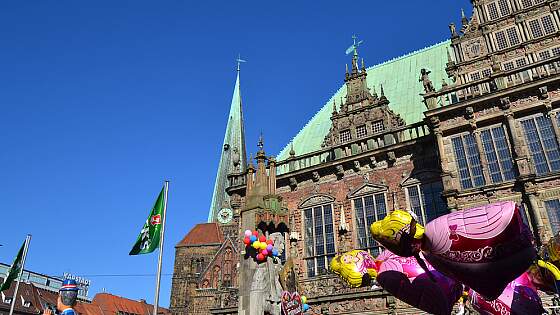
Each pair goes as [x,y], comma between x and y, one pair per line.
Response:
[234,154]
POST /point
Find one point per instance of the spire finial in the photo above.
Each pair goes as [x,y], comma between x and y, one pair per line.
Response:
[261,142]
[464,19]
[334,107]
[239,61]
[363,64]
[382,91]
[292,152]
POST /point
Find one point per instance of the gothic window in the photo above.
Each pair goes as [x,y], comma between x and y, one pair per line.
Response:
[543,55]
[361,131]
[501,42]
[492,11]
[512,35]
[548,24]
[497,152]
[345,136]
[553,211]
[508,66]
[504,7]
[542,143]
[526,3]
[369,209]
[377,126]
[426,202]
[468,161]
[536,28]
[319,239]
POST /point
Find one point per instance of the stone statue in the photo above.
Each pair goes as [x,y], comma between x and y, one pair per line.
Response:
[425,79]
[266,290]
[453,30]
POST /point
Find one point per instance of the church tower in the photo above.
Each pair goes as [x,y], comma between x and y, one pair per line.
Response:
[233,157]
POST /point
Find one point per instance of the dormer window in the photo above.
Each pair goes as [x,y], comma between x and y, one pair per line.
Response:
[361,131]
[345,136]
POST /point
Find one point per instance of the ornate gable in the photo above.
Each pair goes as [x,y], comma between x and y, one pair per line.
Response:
[221,271]
[368,189]
[363,113]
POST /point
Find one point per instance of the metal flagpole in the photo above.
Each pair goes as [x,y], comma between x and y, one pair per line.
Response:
[25,248]
[156,300]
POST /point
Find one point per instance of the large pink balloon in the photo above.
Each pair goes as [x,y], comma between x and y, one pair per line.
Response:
[485,247]
[404,278]
[519,298]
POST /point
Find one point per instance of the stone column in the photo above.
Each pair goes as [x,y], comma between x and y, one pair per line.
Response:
[518,143]
[555,124]
[534,211]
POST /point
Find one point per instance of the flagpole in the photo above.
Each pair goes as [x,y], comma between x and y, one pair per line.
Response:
[25,248]
[158,279]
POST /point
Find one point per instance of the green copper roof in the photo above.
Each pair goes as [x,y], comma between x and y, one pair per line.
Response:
[234,141]
[400,80]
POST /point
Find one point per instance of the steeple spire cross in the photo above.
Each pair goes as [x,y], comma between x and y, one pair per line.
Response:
[239,61]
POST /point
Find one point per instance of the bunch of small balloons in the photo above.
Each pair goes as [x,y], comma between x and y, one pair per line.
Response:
[304,302]
[263,246]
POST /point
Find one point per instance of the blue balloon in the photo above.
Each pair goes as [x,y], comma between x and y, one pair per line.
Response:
[305,307]
[274,252]
[253,238]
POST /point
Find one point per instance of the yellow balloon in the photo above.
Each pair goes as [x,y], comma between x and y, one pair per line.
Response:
[352,266]
[256,244]
[390,231]
[303,299]
[262,245]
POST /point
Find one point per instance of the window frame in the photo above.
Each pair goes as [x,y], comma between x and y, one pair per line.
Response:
[554,228]
[499,161]
[345,136]
[314,257]
[418,186]
[471,176]
[539,132]
[374,247]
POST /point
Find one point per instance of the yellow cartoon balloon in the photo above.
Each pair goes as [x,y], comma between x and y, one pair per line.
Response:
[353,266]
[399,233]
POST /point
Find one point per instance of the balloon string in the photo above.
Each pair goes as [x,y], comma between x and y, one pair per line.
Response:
[422,264]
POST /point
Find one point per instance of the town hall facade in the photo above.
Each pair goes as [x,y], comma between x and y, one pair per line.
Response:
[469,121]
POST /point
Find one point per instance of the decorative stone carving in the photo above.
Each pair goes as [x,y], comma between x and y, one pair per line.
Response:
[314,200]
[316,176]
[339,171]
[293,183]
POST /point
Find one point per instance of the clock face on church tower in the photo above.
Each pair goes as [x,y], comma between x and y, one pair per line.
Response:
[225,215]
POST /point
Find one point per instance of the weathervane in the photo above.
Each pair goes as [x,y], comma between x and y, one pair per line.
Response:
[239,61]
[354,47]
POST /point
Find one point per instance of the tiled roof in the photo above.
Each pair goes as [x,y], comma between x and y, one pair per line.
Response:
[25,290]
[203,234]
[399,78]
[112,304]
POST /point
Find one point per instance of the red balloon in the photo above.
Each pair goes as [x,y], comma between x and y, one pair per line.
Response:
[260,257]
[247,241]
[262,239]
[269,242]
[256,233]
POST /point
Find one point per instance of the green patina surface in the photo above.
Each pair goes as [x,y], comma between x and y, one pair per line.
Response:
[399,78]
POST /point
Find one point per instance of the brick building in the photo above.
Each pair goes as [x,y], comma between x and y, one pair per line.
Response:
[469,121]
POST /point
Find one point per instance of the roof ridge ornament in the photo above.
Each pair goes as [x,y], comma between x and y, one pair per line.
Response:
[355,45]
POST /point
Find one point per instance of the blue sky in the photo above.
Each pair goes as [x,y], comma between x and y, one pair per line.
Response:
[103,100]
